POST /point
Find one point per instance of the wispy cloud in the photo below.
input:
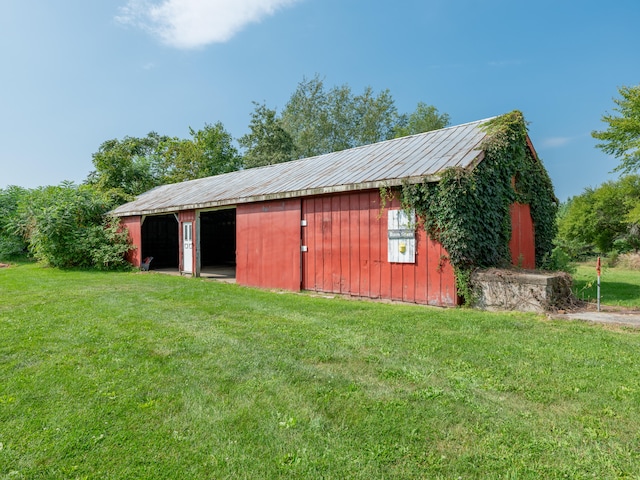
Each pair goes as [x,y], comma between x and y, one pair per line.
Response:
[556,142]
[190,24]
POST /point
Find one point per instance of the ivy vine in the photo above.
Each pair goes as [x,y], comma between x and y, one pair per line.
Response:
[468,210]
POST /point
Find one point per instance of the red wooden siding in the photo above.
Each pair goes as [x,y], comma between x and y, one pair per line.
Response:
[347,253]
[522,244]
[134,227]
[268,244]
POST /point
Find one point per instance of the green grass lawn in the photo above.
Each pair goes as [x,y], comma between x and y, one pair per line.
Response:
[618,286]
[145,376]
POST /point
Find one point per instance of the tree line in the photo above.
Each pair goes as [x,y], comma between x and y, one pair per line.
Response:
[67,225]
[314,121]
[606,219]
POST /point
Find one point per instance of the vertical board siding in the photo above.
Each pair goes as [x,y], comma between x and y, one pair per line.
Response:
[522,244]
[134,229]
[268,244]
[346,237]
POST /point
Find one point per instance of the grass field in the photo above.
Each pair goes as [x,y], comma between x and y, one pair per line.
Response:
[145,376]
[618,286]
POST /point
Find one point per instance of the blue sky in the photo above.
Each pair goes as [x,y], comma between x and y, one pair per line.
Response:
[76,73]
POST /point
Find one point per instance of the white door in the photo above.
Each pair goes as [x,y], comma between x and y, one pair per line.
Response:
[187,247]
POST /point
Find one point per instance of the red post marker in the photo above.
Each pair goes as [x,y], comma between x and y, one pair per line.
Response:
[598,266]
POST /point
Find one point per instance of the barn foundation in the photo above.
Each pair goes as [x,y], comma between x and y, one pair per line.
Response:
[521,291]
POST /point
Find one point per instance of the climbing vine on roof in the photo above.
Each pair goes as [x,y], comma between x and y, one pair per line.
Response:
[468,210]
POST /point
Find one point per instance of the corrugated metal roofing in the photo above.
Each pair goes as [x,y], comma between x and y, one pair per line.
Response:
[413,159]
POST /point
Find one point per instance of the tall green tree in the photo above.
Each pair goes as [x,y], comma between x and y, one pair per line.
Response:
[604,218]
[128,167]
[210,151]
[317,120]
[622,137]
[306,118]
[322,121]
[424,119]
[375,117]
[267,141]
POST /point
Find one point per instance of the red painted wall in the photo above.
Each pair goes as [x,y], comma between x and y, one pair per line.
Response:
[134,227]
[268,244]
[522,244]
[346,238]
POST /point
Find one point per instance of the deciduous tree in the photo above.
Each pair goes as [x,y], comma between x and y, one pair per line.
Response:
[128,167]
[622,138]
[606,218]
[267,141]
[210,151]
[424,119]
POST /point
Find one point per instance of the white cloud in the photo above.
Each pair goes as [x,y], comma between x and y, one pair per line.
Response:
[556,142]
[196,23]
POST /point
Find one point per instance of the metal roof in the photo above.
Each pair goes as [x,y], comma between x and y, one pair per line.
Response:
[408,159]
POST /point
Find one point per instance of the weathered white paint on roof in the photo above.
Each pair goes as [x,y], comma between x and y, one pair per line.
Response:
[389,163]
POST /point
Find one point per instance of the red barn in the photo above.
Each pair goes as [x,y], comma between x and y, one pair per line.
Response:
[318,223]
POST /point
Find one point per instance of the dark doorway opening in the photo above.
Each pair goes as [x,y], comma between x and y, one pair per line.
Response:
[218,238]
[160,240]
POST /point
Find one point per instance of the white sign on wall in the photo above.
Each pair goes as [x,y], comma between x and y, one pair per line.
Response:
[401,234]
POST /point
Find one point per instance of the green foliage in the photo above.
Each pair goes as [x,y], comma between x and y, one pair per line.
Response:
[468,211]
[12,244]
[107,244]
[125,168]
[559,261]
[128,167]
[622,138]
[321,121]
[603,219]
[268,142]
[65,226]
[317,120]
[209,152]
[425,119]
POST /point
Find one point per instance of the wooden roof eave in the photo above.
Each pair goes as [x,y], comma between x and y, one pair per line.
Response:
[231,202]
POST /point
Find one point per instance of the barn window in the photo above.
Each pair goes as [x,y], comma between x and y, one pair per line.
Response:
[401,237]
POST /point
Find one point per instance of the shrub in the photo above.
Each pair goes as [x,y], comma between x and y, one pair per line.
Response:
[12,244]
[65,226]
[559,261]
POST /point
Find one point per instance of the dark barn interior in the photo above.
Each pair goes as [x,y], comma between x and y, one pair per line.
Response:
[218,238]
[160,240]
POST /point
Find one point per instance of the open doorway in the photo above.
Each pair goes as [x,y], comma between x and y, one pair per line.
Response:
[218,243]
[160,240]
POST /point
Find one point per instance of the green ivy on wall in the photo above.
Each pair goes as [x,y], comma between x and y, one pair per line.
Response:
[468,210]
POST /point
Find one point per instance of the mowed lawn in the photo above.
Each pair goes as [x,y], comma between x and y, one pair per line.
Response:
[618,286]
[145,376]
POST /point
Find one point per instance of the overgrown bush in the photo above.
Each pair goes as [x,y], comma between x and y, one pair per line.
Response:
[559,261]
[66,226]
[12,244]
